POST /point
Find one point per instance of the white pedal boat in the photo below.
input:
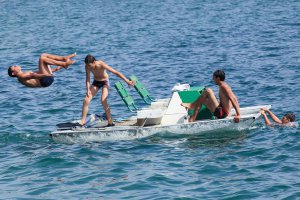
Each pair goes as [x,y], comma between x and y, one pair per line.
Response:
[162,116]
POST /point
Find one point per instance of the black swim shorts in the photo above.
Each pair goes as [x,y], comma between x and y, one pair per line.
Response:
[220,113]
[100,84]
[46,81]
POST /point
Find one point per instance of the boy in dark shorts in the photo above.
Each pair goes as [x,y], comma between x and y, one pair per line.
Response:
[101,80]
[208,98]
[43,77]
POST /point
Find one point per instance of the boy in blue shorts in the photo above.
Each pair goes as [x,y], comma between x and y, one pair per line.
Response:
[43,77]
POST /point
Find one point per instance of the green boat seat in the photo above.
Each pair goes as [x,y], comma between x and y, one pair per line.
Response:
[127,99]
[143,92]
[192,95]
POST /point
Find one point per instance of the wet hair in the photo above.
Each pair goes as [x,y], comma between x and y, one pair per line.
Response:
[220,74]
[89,59]
[10,72]
[290,116]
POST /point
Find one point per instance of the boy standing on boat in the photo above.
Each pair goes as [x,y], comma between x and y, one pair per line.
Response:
[219,109]
[101,80]
[43,77]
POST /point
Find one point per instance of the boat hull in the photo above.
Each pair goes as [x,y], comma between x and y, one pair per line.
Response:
[78,134]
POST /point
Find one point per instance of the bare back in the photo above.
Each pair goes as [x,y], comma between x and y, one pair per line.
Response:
[99,72]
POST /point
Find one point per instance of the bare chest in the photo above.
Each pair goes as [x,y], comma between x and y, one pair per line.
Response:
[99,73]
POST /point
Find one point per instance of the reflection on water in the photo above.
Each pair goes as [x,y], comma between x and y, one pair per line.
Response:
[216,139]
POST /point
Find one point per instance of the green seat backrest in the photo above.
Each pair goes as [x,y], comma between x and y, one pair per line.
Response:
[140,88]
[127,99]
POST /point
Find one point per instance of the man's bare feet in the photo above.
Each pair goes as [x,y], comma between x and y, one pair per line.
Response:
[68,57]
[189,106]
[68,63]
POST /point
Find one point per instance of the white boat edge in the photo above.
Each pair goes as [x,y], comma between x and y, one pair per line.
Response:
[249,115]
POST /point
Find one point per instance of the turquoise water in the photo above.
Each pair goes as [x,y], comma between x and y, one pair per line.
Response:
[257,43]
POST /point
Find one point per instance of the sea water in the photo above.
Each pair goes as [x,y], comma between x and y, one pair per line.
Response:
[257,43]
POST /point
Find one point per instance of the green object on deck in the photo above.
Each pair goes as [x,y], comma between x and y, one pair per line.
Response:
[128,100]
[143,92]
[189,96]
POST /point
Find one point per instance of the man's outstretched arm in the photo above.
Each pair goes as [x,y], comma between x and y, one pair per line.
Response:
[117,73]
[267,121]
[273,116]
